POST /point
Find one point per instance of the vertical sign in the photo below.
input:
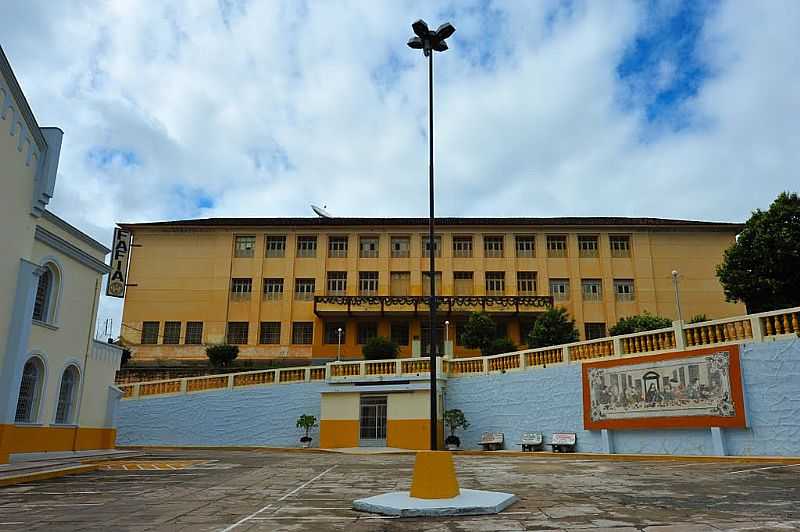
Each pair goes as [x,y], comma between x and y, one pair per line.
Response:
[119,263]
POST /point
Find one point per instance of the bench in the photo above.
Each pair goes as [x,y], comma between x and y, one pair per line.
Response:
[531,441]
[563,442]
[491,441]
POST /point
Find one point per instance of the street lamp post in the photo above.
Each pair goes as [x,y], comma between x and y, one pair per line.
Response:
[339,345]
[430,41]
[446,335]
[677,294]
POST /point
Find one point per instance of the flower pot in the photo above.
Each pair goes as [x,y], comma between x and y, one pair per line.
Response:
[305,442]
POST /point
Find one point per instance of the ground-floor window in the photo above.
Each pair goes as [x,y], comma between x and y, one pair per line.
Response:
[400,332]
[367,330]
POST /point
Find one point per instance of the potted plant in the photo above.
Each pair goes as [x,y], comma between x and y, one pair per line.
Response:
[306,422]
[454,419]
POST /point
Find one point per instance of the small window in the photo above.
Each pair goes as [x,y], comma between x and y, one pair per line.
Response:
[241,289]
[244,246]
[194,333]
[302,332]
[367,330]
[306,246]
[273,289]
[559,289]
[426,283]
[526,246]
[337,283]
[463,283]
[592,289]
[332,332]
[462,246]
[238,332]
[44,290]
[150,332]
[30,390]
[270,332]
[459,325]
[400,246]
[587,246]
[172,332]
[526,283]
[368,283]
[304,289]
[66,395]
[400,283]
[620,245]
[623,289]
[276,246]
[368,247]
[594,330]
[400,332]
[495,283]
[556,246]
[437,246]
[337,246]
[493,246]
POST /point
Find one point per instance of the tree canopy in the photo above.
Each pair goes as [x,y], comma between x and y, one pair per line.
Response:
[639,323]
[478,332]
[553,327]
[378,348]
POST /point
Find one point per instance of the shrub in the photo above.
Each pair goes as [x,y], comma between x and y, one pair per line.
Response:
[698,318]
[640,323]
[454,419]
[553,327]
[221,356]
[500,345]
[306,422]
[378,348]
[478,332]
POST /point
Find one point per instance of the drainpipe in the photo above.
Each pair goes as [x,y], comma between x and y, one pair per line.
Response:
[84,370]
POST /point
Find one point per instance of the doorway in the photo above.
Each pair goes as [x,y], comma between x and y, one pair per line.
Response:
[373,421]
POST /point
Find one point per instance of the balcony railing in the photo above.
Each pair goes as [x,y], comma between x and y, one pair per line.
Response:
[446,304]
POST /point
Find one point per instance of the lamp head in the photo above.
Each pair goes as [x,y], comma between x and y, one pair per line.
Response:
[420,28]
[445,31]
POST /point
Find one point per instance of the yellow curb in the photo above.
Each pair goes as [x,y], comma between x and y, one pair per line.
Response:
[45,475]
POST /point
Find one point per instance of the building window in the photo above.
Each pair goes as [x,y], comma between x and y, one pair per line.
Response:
[400,246]
[495,283]
[273,289]
[306,246]
[241,288]
[66,395]
[367,330]
[559,289]
[623,289]
[303,332]
[400,283]
[620,245]
[587,246]
[462,246]
[194,333]
[526,283]
[276,245]
[150,332]
[30,389]
[425,334]
[400,332]
[426,283]
[304,289]
[459,329]
[332,332]
[437,246]
[337,283]
[270,332]
[526,246]
[368,246]
[525,329]
[172,332]
[493,246]
[592,289]
[594,330]
[463,283]
[368,283]
[244,246]
[238,332]
[337,246]
[501,329]
[45,291]
[556,246]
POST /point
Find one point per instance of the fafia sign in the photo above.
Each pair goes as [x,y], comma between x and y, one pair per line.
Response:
[119,263]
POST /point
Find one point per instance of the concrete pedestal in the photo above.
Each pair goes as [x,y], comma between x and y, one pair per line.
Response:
[468,502]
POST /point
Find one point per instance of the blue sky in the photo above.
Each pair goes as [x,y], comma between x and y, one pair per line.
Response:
[195,108]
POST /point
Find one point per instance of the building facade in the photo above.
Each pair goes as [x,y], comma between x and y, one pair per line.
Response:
[285,287]
[56,382]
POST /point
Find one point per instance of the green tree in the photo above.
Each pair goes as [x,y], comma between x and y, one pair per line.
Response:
[639,323]
[762,268]
[306,422]
[378,348]
[455,419]
[499,345]
[478,332]
[553,327]
[221,355]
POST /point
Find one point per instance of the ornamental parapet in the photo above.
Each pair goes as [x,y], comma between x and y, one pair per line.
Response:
[404,305]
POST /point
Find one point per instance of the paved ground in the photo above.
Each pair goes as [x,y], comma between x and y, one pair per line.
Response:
[265,491]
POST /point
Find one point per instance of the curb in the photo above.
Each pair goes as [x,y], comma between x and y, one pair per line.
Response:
[45,475]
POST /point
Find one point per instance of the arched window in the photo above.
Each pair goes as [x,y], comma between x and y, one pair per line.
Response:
[30,389]
[66,395]
[42,301]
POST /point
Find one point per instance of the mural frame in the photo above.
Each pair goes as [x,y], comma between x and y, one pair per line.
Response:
[738,420]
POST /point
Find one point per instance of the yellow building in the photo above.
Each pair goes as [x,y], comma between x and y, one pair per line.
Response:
[283,287]
[56,382]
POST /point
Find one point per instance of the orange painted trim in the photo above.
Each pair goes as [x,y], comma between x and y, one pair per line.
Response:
[671,422]
[33,439]
[335,433]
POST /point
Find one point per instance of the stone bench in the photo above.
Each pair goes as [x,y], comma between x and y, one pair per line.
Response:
[531,441]
[492,441]
[563,442]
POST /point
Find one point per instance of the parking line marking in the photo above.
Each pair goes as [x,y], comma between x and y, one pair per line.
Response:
[267,507]
[762,468]
[323,518]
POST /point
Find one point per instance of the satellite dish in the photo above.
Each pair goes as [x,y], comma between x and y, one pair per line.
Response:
[321,212]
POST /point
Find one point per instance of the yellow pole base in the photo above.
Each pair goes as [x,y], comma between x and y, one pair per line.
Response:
[434,476]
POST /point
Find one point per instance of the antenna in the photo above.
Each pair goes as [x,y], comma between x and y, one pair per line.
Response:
[320,211]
